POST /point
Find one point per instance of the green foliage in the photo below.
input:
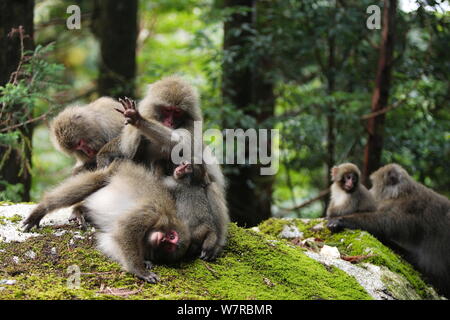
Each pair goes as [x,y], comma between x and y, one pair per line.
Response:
[31,86]
[186,37]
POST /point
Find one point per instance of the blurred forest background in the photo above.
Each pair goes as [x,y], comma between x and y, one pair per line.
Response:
[337,90]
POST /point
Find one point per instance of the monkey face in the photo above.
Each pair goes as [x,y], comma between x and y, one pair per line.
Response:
[171,116]
[78,136]
[83,146]
[167,241]
[167,247]
[349,181]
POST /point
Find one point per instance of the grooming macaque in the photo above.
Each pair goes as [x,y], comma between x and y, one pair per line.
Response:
[133,212]
[150,136]
[348,195]
[207,226]
[170,104]
[412,219]
[81,131]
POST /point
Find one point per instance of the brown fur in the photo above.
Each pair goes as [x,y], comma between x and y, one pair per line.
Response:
[96,122]
[207,226]
[127,204]
[146,140]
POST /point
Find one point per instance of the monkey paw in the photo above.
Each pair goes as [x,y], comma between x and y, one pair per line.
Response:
[209,254]
[182,170]
[129,111]
[335,225]
[148,265]
[32,221]
[150,277]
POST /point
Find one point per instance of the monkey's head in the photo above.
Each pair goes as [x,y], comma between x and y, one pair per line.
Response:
[74,133]
[346,176]
[173,102]
[168,244]
[390,182]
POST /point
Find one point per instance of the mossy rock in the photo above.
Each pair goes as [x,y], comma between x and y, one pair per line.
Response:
[254,265]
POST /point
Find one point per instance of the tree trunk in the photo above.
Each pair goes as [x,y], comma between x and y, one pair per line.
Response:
[249,194]
[331,138]
[380,97]
[115,25]
[15,13]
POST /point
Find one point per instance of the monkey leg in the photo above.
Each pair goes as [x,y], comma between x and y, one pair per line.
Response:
[73,190]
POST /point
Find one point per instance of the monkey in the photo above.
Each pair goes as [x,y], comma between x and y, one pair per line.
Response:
[80,132]
[134,215]
[348,195]
[207,227]
[171,103]
[412,219]
[149,136]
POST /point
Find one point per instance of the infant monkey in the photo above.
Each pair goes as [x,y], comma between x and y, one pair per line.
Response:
[188,186]
[348,194]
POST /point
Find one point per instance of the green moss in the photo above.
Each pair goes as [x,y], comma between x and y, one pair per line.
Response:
[353,243]
[253,266]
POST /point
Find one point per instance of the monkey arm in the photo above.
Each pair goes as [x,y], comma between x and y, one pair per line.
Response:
[130,238]
[72,191]
[385,224]
[163,138]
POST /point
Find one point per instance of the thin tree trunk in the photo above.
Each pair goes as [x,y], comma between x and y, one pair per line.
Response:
[14,13]
[116,28]
[380,97]
[331,138]
[249,194]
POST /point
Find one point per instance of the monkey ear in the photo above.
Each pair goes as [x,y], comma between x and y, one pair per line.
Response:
[334,172]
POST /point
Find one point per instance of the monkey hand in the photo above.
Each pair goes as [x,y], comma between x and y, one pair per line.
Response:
[150,277]
[33,219]
[129,111]
[336,225]
[210,254]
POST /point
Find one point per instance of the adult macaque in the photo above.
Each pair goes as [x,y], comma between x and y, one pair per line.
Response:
[207,226]
[410,217]
[81,131]
[133,212]
[348,195]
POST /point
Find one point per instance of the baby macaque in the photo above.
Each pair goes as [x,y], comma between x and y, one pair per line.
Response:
[348,195]
[207,227]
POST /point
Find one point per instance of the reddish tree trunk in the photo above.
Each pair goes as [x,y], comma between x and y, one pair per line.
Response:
[380,97]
